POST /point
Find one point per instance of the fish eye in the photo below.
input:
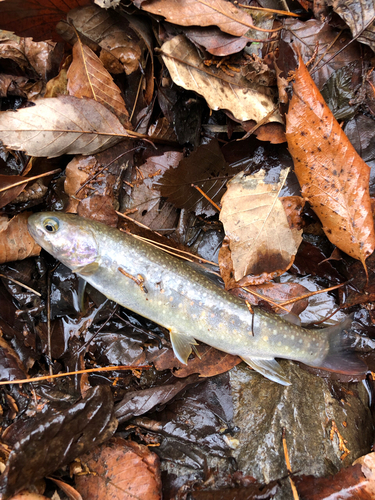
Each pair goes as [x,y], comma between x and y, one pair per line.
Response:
[51,225]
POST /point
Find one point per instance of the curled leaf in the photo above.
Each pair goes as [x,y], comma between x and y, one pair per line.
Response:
[15,241]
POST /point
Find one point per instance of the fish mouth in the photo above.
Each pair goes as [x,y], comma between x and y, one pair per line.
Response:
[34,227]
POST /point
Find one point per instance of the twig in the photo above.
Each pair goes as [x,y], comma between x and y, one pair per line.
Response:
[287,462]
[28,179]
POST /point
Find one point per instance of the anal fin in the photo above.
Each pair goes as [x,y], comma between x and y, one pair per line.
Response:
[269,368]
[182,345]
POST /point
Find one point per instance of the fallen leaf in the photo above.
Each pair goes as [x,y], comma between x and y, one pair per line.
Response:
[61,125]
[11,193]
[210,363]
[221,91]
[121,470]
[215,41]
[206,162]
[98,208]
[36,18]
[121,50]
[62,435]
[15,241]
[87,77]
[359,15]
[255,221]
[221,13]
[11,367]
[333,177]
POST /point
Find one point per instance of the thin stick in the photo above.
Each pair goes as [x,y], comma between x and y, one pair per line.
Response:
[138,223]
[272,11]
[77,372]
[21,284]
[310,294]
[287,462]
[206,196]
[28,179]
[260,123]
[267,299]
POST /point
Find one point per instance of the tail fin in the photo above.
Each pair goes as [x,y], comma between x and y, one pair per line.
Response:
[340,357]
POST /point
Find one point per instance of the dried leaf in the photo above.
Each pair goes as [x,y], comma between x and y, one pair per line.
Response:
[121,470]
[36,18]
[245,100]
[61,125]
[255,222]
[11,193]
[333,177]
[221,13]
[215,41]
[121,49]
[16,243]
[359,16]
[87,77]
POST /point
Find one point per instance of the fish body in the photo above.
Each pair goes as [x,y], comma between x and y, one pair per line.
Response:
[189,304]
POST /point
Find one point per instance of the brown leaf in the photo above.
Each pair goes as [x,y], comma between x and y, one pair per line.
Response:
[221,13]
[215,41]
[120,470]
[234,93]
[255,221]
[98,208]
[121,49]
[11,193]
[36,18]
[87,77]
[333,177]
[15,241]
[211,362]
[61,125]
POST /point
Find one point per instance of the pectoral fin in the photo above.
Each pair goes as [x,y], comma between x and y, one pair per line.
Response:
[88,269]
[182,345]
[270,368]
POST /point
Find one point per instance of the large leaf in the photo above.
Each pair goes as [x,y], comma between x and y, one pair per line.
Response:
[333,177]
[221,13]
[255,221]
[36,18]
[61,125]
[245,100]
[87,77]
[359,16]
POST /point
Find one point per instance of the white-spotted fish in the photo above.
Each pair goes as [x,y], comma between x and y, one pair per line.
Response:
[191,306]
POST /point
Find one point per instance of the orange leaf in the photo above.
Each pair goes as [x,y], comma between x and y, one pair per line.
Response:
[333,177]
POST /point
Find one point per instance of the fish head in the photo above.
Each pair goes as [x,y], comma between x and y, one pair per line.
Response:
[67,237]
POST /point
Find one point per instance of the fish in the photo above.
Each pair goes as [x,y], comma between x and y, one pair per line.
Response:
[177,296]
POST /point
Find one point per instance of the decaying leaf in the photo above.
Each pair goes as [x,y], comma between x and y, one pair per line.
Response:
[221,13]
[255,221]
[360,17]
[36,18]
[11,193]
[120,45]
[121,470]
[87,77]
[61,125]
[15,241]
[333,177]
[215,41]
[236,94]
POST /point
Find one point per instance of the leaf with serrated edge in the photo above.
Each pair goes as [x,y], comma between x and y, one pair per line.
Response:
[61,125]
[255,221]
[87,77]
[244,100]
[333,177]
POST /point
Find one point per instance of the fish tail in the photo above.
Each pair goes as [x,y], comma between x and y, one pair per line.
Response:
[341,357]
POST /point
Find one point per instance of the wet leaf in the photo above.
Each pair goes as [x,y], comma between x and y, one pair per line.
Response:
[221,91]
[11,193]
[61,125]
[87,77]
[15,241]
[255,221]
[36,18]
[226,16]
[205,162]
[359,16]
[121,470]
[11,367]
[120,45]
[215,41]
[333,177]
[99,208]
[62,435]
[140,402]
